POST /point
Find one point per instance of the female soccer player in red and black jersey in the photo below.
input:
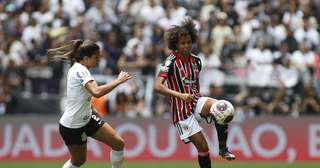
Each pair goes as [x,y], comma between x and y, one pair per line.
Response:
[181,72]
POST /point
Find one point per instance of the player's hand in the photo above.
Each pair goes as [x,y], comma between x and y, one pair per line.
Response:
[187,97]
[123,77]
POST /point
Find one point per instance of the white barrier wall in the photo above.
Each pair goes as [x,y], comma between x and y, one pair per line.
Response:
[260,139]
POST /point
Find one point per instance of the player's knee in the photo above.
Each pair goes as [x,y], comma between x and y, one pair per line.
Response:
[203,148]
[118,145]
[205,111]
[121,144]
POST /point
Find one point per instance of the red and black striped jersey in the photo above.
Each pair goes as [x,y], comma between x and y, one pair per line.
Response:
[182,75]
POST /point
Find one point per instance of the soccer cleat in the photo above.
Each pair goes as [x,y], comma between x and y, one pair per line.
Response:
[226,154]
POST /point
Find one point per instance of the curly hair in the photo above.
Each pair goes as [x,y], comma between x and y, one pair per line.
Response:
[174,34]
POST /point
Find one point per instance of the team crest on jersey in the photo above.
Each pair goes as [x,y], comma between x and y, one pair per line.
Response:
[79,75]
[195,67]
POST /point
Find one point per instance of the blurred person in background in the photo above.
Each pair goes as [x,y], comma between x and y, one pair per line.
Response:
[79,119]
[310,103]
[101,104]
[220,32]
[181,73]
[8,99]
[317,73]
[304,60]
[307,33]
[134,58]
[285,76]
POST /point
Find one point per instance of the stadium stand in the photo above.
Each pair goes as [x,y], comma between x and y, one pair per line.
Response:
[263,55]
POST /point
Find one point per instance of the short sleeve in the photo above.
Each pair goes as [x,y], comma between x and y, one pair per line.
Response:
[200,64]
[84,76]
[199,61]
[167,68]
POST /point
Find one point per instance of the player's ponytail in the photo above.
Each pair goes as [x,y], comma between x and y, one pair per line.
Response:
[65,52]
[74,51]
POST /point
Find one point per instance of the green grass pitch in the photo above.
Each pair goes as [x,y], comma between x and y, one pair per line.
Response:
[91,164]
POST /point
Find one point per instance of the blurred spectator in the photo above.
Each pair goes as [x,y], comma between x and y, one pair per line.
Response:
[133,58]
[220,32]
[211,63]
[154,7]
[317,73]
[226,7]
[262,33]
[14,76]
[8,100]
[292,17]
[260,59]
[304,60]
[291,41]
[307,33]
[101,105]
[286,78]
[277,30]
[249,101]
[310,102]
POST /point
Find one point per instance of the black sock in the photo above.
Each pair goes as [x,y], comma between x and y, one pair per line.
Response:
[204,161]
[222,132]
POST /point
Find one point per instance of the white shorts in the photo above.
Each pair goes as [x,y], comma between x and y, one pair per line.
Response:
[187,128]
[200,103]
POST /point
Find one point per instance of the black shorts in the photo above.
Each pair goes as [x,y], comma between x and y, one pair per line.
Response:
[78,136]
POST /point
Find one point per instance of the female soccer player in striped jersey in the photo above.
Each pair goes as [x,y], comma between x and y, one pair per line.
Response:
[181,72]
[79,120]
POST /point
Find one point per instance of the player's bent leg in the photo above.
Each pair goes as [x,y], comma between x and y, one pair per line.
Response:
[203,107]
[203,150]
[107,135]
[202,111]
[78,156]
[205,110]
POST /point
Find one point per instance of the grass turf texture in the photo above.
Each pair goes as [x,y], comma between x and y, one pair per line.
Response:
[160,165]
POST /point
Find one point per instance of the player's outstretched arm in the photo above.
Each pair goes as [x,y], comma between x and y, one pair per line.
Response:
[161,88]
[98,91]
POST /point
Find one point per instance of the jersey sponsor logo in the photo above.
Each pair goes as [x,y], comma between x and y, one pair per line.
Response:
[187,81]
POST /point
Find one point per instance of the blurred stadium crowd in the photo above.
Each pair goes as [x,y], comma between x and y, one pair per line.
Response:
[263,55]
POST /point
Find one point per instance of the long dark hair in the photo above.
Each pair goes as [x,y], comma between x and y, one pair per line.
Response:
[175,33]
[73,51]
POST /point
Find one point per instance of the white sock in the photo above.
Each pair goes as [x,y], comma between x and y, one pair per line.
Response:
[68,164]
[116,158]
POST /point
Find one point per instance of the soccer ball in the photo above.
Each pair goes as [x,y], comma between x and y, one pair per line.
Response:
[223,111]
